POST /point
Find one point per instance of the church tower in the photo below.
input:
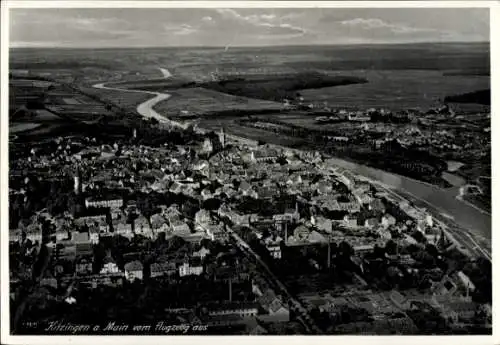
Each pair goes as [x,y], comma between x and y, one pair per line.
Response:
[222,137]
[78,190]
[77,182]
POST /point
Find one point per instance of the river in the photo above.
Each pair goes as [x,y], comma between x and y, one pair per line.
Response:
[443,200]
[146,108]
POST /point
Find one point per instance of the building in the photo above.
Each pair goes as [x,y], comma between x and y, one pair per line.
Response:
[104,203]
[180,228]
[49,282]
[159,223]
[350,206]
[34,234]
[93,217]
[176,188]
[109,266]
[465,282]
[388,220]
[362,249]
[239,218]
[384,233]
[188,269]
[245,188]
[206,194]
[350,221]
[83,267]
[207,147]
[324,187]
[65,250]
[273,305]
[201,253]
[278,311]
[294,179]
[458,310]
[142,227]
[94,235]
[222,138]
[216,232]
[273,245]
[371,223]
[80,237]
[322,223]
[133,270]
[301,233]
[122,228]
[290,215]
[77,182]
[363,198]
[347,179]
[159,269]
[202,219]
[83,243]
[242,309]
[62,235]
[264,155]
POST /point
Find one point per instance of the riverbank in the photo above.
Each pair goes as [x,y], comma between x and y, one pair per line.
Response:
[445,201]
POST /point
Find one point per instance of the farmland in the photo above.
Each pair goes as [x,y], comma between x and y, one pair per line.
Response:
[278,87]
[396,89]
[42,108]
[123,99]
[22,127]
[197,101]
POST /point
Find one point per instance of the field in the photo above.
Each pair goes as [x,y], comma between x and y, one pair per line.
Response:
[414,75]
[203,101]
[453,58]
[399,76]
[250,133]
[396,89]
[278,87]
[156,85]
[85,66]
[127,100]
[22,127]
[308,121]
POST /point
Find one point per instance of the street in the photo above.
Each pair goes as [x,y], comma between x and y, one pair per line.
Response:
[304,317]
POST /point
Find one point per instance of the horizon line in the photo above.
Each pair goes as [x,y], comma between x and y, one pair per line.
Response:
[256,46]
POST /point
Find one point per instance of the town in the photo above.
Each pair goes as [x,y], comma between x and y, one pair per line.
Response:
[238,237]
[442,146]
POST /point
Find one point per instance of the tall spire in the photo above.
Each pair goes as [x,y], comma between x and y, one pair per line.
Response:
[77,179]
[222,137]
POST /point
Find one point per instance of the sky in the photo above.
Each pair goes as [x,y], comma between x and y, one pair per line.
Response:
[136,27]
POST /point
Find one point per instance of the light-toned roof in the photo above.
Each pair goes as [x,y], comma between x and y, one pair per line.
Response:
[133,266]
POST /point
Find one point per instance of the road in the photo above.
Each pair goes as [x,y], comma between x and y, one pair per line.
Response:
[439,201]
[476,220]
[458,235]
[303,315]
[407,189]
